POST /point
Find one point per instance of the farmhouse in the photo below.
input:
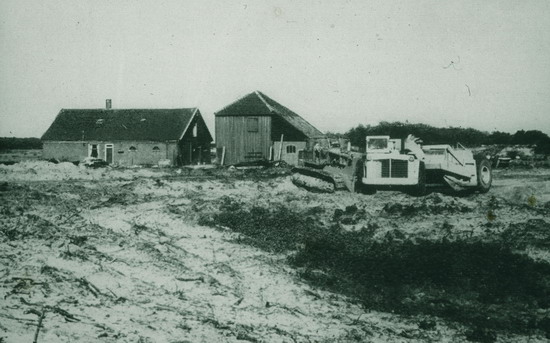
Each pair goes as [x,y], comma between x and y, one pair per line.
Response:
[257,127]
[129,136]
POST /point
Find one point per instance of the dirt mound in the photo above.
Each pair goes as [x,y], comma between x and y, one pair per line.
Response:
[312,184]
[350,215]
[40,170]
[431,204]
[49,171]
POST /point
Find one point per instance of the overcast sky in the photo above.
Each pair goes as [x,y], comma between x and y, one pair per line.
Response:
[482,64]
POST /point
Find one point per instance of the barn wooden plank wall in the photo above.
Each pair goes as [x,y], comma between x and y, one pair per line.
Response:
[232,132]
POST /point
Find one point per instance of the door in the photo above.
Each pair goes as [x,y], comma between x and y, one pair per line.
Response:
[109,153]
[290,155]
[288,151]
[186,152]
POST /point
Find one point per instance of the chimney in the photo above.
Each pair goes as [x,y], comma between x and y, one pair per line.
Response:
[108,104]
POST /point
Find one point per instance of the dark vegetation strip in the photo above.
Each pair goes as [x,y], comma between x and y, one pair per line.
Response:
[450,135]
[483,284]
[7,143]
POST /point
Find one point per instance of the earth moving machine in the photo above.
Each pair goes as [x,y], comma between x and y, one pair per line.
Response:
[394,164]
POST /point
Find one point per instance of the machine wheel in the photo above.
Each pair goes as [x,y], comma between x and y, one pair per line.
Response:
[484,176]
[420,189]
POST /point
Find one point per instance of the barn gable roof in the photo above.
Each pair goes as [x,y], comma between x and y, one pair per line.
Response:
[120,124]
[259,104]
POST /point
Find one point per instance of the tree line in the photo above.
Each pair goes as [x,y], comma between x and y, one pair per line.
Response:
[11,143]
[450,135]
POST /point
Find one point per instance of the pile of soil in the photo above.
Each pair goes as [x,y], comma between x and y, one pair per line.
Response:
[49,171]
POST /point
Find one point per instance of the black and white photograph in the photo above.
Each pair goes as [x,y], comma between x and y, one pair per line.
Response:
[274,171]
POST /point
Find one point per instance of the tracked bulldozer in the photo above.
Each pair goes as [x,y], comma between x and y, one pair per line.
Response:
[393,164]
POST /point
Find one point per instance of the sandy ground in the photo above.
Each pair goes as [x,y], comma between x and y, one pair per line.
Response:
[116,255]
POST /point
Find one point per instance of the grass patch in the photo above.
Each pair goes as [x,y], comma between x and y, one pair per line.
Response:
[482,284]
[274,230]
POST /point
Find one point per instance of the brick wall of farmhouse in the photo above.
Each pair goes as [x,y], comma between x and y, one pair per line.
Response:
[124,153]
[144,153]
[65,151]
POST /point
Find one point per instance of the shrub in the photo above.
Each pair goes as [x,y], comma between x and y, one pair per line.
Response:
[276,230]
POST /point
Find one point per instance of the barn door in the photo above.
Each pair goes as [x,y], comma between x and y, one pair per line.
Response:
[185,153]
[290,155]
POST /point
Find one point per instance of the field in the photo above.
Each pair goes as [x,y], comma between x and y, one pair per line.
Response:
[10,156]
[226,255]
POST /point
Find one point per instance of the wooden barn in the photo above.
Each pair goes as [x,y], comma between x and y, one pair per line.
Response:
[257,127]
[129,136]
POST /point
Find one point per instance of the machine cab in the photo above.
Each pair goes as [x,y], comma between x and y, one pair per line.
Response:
[382,145]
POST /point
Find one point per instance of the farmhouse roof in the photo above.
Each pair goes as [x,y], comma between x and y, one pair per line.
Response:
[120,124]
[259,104]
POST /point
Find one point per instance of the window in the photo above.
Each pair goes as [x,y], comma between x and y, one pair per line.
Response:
[290,149]
[156,149]
[132,149]
[92,150]
[378,144]
[195,130]
[252,124]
